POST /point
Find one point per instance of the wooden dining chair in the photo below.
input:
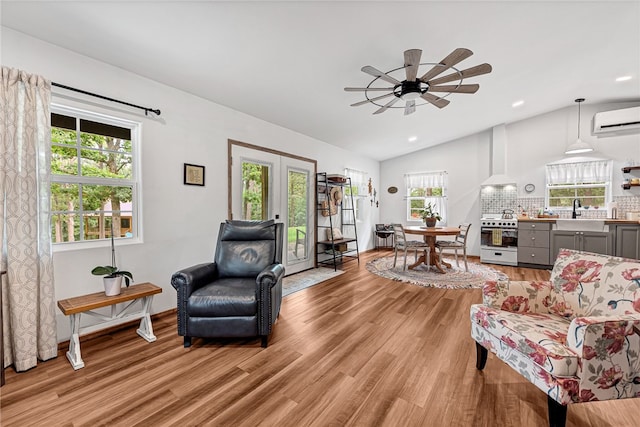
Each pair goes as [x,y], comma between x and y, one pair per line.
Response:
[459,243]
[401,243]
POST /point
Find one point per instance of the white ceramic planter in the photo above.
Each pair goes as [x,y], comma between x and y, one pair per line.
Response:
[112,285]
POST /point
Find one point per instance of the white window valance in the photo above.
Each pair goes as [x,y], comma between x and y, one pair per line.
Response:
[426,180]
[357,177]
[590,172]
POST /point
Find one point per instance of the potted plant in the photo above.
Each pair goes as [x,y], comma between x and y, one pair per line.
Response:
[112,276]
[429,216]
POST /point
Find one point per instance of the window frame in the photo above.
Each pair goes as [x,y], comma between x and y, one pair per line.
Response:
[134,182]
[441,200]
[606,185]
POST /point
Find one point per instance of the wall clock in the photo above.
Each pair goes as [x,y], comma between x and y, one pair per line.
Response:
[529,188]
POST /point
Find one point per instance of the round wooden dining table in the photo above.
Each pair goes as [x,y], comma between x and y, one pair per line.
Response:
[430,234]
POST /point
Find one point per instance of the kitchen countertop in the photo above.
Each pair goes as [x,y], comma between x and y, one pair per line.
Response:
[606,220]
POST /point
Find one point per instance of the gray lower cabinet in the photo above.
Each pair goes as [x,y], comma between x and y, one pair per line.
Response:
[628,241]
[600,242]
[533,243]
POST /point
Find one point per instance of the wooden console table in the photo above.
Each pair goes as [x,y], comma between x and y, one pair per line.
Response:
[74,307]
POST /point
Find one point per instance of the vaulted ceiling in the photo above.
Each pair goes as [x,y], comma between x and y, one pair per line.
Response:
[288,62]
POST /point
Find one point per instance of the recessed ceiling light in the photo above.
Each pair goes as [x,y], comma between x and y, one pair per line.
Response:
[623,78]
[413,138]
[517,103]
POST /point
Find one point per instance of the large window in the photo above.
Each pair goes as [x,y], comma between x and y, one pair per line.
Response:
[589,182]
[93,176]
[423,188]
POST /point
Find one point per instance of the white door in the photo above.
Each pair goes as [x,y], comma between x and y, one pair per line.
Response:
[265,185]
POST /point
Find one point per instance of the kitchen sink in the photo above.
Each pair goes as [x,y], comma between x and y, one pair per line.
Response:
[581,225]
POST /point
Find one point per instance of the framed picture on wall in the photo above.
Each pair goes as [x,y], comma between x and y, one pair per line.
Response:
[193,174]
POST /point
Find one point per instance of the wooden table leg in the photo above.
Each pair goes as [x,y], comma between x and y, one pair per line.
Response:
[74,356]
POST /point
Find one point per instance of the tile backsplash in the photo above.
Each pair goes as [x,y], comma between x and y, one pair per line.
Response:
[494,199]
[531,205]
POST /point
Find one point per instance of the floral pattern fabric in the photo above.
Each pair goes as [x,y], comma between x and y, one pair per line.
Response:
[577,336]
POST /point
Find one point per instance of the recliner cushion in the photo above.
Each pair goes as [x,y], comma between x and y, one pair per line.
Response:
[224,297]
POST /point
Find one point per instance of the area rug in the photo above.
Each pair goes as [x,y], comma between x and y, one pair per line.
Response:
[305,279]
[454,278]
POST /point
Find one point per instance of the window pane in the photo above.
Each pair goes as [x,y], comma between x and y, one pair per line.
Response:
[65,227]
[64,160]
[63,136]
[105,198]
[106,164]
[64,197]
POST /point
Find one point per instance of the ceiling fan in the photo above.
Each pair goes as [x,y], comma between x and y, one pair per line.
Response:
[413,89]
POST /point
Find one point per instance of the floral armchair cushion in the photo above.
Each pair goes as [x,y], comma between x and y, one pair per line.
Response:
[577,336]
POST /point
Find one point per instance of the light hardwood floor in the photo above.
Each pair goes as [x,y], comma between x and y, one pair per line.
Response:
[357,350]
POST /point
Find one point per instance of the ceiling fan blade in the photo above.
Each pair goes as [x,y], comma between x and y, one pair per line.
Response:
[435,100]
[478,70]
[387,105]
[377,73]
[411,63]
[455,88]
[364,89]
[371,100]
[452,59]
[409,107]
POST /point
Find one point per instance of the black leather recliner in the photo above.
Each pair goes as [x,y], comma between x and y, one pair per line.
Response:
[239,294]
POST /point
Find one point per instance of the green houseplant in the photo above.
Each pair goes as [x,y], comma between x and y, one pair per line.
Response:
[112,275]
[430,216]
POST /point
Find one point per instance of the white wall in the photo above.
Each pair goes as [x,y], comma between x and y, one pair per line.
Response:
[531,144]
[180,223]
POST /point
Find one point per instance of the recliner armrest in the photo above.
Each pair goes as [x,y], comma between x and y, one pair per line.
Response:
[273,273]
[189,279]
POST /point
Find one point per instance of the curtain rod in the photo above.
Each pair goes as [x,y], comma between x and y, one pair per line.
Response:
[146,109]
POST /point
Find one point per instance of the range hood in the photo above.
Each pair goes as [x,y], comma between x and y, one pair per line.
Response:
[499,158]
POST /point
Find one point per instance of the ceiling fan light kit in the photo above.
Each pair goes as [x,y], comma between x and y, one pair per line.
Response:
[414,89]
[579,146]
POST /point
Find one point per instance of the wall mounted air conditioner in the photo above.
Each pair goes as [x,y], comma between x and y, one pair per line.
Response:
[617,122]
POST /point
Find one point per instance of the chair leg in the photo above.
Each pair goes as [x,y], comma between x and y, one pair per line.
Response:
[456,252]
[395,258]
[404,266]
[557,413]
[264,341]
[187,342]
[466,266]
[481,356]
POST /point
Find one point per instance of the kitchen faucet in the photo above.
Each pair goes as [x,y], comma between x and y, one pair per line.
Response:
[575,214]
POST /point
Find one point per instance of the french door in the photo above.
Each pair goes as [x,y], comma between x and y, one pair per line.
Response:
[266,184]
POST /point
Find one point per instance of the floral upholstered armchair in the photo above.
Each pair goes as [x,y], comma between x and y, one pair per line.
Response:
[576,337]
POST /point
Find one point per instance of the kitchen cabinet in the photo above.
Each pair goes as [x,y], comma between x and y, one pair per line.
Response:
[533,244]
[628,241]
[600,242]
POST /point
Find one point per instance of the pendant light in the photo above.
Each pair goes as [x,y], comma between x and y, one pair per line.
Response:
[579,146]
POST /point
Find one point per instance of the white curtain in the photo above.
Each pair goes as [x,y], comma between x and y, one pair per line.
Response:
[579,172]
[430,180]
[29,323]
[358,180]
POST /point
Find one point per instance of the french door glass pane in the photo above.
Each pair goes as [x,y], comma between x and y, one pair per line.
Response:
[297,214]
[255,191]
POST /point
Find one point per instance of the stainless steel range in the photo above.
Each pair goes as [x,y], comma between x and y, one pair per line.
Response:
[499,239]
